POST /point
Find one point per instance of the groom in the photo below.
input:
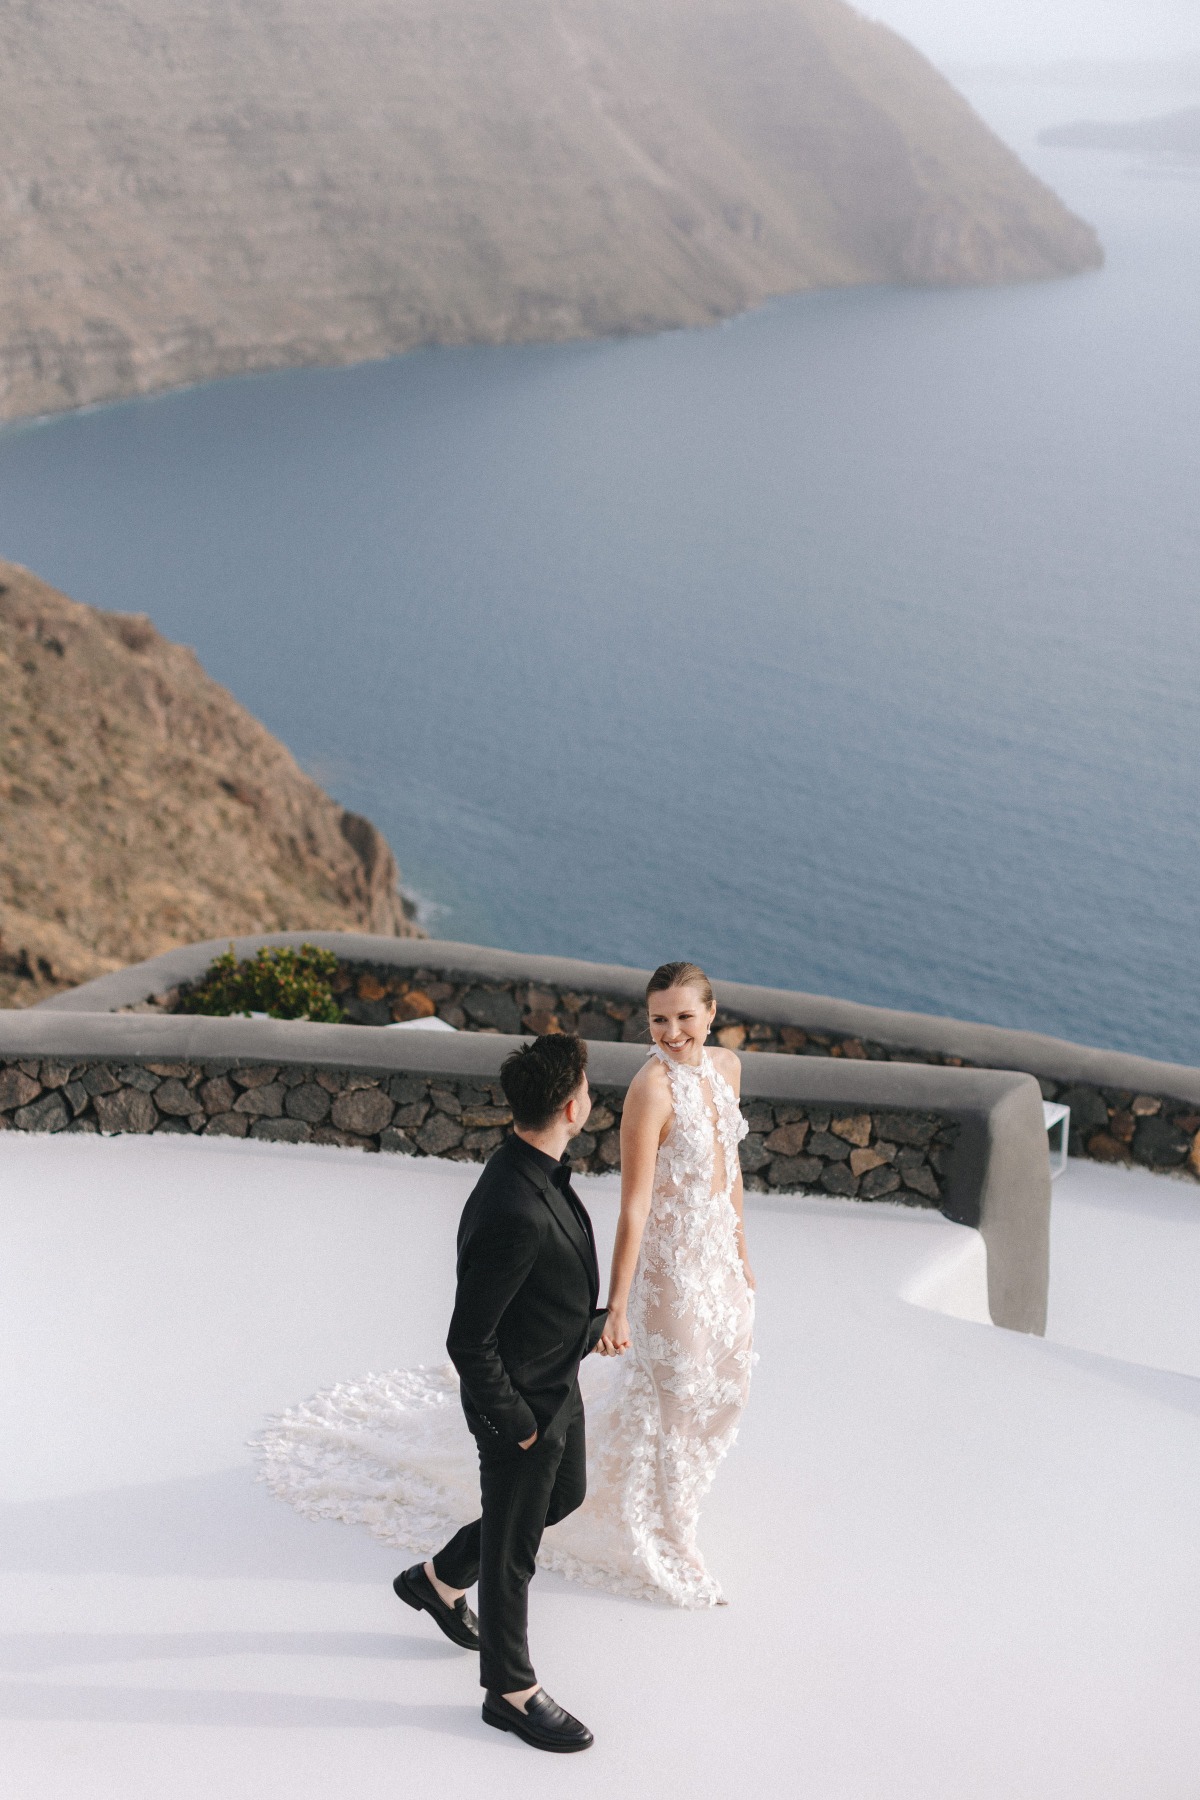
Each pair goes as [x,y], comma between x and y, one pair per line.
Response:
[525,1314]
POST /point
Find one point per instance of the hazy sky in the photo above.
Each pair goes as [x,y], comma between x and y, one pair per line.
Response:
[1043,30]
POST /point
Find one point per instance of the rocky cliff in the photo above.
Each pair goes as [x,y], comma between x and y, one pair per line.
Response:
[141,806]
[197,187]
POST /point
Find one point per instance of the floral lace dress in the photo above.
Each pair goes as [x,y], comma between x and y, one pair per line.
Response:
[393,1452]
[657,1442]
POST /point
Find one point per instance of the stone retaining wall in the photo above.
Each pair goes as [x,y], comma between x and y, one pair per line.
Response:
[971,1141]
[883,1154]
[1108,1124]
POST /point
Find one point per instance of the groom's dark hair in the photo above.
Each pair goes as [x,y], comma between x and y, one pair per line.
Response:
[539,1078]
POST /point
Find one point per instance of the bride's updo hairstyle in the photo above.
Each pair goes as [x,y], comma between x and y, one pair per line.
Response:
[680,974]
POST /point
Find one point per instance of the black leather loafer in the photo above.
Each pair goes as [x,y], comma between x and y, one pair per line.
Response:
[544,1724]
[458,1622]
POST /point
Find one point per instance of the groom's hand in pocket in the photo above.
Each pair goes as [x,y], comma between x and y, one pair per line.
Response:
[528,1442]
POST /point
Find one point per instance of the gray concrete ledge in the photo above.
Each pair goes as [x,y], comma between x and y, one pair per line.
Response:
[989,1046]
[999,1177]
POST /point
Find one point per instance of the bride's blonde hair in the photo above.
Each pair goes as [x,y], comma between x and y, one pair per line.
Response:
[680,974]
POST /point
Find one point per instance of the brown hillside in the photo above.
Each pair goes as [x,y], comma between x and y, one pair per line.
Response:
[197,187]
[141,806]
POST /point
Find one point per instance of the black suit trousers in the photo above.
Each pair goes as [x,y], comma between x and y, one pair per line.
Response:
[522,1492]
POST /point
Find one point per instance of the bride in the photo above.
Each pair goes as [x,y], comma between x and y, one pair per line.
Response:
[392,1452]
[680,1300]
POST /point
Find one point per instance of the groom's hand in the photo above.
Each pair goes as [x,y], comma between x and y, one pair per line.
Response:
[528,1443]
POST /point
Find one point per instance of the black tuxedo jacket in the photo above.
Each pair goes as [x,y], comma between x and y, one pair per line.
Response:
[525,1313]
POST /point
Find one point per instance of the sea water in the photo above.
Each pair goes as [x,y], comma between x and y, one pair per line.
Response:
[852,646]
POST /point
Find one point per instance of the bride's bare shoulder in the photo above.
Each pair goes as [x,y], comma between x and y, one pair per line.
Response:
[650,1089]
[729,1064]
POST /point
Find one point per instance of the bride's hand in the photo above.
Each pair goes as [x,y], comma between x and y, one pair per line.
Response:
[748,1272]
[615,1337]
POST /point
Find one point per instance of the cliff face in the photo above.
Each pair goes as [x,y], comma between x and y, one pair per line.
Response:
[141,806]
[197,187]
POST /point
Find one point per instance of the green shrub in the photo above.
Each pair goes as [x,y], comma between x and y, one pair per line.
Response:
[287,984]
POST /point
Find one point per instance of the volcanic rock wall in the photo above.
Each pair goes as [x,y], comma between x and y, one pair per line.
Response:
[886,1154]
[1108,1123]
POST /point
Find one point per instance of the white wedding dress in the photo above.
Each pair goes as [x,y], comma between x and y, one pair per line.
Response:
[393,1452]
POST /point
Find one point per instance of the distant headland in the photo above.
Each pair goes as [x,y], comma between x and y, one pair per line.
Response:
[195,192]
[1173,135]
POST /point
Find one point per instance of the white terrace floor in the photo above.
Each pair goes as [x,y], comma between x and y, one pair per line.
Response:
[962,1564]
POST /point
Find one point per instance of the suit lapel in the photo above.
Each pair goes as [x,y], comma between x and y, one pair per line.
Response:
[566,1217]
[586,1221]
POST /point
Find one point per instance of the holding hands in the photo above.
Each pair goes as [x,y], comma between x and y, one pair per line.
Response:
[615,1339]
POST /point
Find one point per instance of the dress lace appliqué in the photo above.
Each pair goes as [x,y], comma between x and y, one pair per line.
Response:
[392,1452]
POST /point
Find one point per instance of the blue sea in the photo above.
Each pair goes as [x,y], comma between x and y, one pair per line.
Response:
[852,646]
